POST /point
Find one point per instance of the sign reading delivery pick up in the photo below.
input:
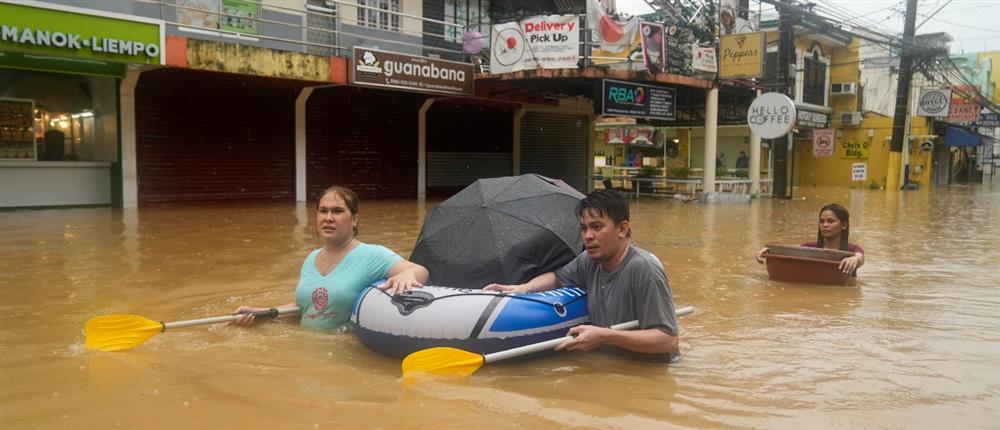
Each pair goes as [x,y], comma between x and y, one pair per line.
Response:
[78,33]
[771,115]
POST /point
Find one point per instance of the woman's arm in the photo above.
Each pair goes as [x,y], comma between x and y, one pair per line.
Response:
[850,264]
[405,275]
[759,256]
[247,319]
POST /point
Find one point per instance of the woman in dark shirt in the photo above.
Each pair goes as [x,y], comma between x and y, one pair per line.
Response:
[833,234]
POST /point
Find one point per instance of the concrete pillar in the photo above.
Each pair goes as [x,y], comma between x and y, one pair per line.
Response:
[422,149]
[754,165]
[130,173]
[711,133]
[300,143]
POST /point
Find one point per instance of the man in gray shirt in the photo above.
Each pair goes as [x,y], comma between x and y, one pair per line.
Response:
[623,283]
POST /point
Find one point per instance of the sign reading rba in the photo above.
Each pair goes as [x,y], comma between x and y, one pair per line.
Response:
[771,115]
[642,101]
[383,69]
[933,102]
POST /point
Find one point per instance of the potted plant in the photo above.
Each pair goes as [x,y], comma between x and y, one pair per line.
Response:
[679,173]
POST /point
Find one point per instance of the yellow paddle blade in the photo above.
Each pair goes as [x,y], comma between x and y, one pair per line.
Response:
[118,332]
[442,361]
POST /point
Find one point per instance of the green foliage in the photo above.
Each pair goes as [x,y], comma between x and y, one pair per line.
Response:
[742,173]
[679,172]
[647,172]
[874,185]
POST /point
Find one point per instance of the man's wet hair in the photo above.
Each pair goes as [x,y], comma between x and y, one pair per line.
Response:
[602,202]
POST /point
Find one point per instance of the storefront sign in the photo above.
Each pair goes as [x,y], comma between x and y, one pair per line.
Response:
[854,149]
[704,60]
[653,47]
[376,68]
[629,136]
[933,102]
[548,42]
[823,142]
[771,115]
[962,110]
[240,16]
[80,33]
[811,119]
[742,55]
[642,101]
[679,51]
[859,171]
[734,17]
[989,120]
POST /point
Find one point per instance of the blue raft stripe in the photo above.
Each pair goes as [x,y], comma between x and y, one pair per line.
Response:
[517,315]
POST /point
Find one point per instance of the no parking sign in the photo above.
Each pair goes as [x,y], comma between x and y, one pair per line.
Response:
[823,142]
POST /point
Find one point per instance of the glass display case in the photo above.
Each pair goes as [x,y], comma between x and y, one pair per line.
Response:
[17,129]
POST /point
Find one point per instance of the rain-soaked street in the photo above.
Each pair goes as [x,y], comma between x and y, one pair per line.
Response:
[913,343]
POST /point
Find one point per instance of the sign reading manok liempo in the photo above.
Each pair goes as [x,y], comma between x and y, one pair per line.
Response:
[771,115]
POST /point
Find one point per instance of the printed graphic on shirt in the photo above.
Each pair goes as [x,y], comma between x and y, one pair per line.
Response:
[320,299]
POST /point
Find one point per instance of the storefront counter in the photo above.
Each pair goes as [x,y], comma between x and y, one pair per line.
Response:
[54,183]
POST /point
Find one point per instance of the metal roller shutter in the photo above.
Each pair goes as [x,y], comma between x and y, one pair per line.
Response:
[214,137]
[362,139]
[555,145]
[458,169]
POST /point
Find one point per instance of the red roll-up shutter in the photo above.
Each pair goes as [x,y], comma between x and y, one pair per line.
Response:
[214,137]
[362,139]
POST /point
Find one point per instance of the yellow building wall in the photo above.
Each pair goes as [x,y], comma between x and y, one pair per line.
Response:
[994,57]
[834,170]
[874,132]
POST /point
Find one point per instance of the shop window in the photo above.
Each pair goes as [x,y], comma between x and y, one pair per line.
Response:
[814,82]
[57,117]
[468,14]
[381,14]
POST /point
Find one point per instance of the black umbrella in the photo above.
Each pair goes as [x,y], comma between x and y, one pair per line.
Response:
[505,230]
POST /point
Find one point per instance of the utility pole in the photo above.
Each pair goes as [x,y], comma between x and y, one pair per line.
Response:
[893,175]
[787,19]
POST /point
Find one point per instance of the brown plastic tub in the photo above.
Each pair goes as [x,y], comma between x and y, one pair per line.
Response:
[806,265]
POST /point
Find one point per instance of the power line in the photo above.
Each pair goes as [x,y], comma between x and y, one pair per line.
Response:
[932,14]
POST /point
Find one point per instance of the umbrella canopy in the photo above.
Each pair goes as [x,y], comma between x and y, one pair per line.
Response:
[505,230]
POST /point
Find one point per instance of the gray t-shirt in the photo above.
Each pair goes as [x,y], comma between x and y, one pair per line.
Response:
[637,290]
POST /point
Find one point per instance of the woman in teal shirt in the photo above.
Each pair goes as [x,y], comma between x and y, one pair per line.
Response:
[332,276]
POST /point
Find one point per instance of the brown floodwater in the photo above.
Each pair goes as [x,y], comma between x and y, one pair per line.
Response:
[914,343]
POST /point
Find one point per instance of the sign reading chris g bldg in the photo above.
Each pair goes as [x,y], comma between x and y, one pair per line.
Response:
[376,68]
[62,31]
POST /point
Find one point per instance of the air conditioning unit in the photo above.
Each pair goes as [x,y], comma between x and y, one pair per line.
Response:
[850,88]
[850,118]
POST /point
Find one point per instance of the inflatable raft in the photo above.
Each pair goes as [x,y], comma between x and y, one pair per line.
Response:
[473,320]
[806,265]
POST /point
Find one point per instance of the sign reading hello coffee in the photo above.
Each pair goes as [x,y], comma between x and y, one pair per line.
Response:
[374,68]
[933,102]
[771,115]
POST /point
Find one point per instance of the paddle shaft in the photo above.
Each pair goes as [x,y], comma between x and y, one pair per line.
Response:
[549,344]
[270,313]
